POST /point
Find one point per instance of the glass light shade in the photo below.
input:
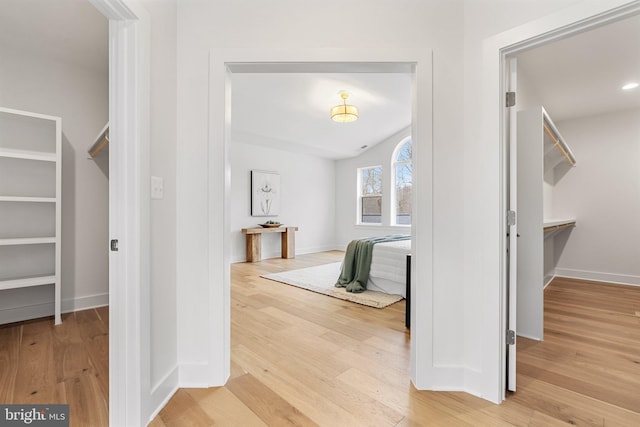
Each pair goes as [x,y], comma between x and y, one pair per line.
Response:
[344,113]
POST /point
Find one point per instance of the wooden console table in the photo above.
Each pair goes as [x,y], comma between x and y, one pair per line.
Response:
[254,241]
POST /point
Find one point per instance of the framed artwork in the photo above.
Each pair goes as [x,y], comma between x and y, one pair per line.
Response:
[265,193]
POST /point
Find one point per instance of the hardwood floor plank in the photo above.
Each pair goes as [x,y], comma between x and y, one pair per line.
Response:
[224,408]
[184,411]
[313,402]
[88,404]
[36,378]
[10,344]
[266,404]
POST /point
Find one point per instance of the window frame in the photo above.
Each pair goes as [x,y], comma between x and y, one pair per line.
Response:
[393,221]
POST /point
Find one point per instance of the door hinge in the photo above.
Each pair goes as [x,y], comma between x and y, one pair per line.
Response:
[511,337]
[511,218]
[511,99]
[114,245]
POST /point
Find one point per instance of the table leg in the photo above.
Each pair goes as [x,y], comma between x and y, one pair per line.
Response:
[254,247]
[288,243]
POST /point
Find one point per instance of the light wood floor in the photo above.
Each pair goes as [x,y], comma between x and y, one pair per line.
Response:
[45,364]
[304,359]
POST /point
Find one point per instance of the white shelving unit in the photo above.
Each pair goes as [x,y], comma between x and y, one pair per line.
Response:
[30,201]
[543,156]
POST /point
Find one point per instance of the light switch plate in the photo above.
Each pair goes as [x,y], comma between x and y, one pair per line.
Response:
[157,187]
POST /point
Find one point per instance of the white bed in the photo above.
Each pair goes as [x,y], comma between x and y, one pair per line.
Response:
[389,267]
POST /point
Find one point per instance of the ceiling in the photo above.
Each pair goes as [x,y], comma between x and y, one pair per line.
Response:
[290,111]
[577,76]
[583,75]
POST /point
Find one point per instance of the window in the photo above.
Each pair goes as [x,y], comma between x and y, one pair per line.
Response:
[370,195]
[402,172]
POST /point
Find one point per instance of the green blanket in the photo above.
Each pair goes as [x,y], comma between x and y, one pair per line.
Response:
[354,273]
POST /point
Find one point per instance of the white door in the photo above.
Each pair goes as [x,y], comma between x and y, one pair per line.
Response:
[512,228]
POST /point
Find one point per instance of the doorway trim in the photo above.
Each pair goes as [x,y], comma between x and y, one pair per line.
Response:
[223,62]
[564,23]
[129,327]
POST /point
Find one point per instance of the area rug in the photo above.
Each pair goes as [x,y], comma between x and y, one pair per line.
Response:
[321,279]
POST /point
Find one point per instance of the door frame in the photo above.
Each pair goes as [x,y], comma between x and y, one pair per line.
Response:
[565,23]
[129,327]
[225,61]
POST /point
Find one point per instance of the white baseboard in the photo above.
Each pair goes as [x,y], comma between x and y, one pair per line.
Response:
[35,311]
[621,279]
[548,279]
[531,337]
[163,391]
[299,251]
[85,303]
[193,375]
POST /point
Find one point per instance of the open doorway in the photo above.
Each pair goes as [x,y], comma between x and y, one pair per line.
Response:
[568,97]
[280,123]
[226,63]
[54,205]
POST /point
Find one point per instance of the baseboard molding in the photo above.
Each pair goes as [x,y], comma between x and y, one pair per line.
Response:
[85,303]
[531,337]
[163,391]
[620,279]
[35,311]
[299,251]
[193,375]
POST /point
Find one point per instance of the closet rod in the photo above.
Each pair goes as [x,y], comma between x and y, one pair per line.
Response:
[553,133]
[558,227]
[100,143]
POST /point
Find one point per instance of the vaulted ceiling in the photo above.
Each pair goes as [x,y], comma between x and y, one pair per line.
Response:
[290,111]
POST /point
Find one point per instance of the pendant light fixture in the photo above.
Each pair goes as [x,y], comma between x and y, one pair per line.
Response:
[344,113]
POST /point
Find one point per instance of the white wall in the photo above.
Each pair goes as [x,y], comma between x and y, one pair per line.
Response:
[307,199]
[80,97]
[346,191]
[603,192]
[163,310]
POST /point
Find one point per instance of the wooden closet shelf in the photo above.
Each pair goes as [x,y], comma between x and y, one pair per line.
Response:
[558,225]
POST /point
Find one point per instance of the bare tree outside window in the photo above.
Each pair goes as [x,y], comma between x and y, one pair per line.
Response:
[403,183]
[371,195]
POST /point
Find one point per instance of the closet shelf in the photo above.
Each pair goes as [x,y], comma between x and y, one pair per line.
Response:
[100,142]
[555,143]
[27,199]
[28,155]
[26,282]
[27,241]
[31,138]
[551,227]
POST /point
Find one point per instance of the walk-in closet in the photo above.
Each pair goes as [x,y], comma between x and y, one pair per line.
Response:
[578,157]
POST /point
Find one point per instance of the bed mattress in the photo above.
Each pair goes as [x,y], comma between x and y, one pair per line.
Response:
[389,267]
